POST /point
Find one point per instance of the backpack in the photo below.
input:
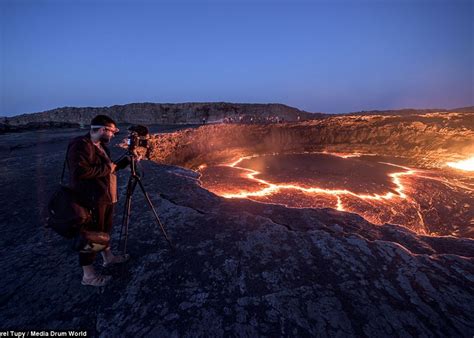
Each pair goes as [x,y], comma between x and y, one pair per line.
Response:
[65,214]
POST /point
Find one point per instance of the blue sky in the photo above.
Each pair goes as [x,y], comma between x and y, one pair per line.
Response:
[329,56]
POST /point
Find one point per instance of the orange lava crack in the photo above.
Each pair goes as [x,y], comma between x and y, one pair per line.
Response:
[400,205]
[272,188]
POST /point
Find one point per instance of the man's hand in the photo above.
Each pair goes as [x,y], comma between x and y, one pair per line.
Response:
[112,166]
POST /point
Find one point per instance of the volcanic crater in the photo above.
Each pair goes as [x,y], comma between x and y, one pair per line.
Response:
[387,169]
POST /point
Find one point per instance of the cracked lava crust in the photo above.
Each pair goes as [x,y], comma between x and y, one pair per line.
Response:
[371,186]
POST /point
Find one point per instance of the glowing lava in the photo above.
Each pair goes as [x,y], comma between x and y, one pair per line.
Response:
[272,188]
[467,165]
[432,202]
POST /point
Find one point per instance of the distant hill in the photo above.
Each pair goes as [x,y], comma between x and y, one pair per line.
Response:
[184,113]
[162,113]
[410,111]
[463,110]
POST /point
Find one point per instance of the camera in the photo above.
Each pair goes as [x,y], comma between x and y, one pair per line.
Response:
[137,137]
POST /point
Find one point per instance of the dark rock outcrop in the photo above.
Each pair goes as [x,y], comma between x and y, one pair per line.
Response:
[9,128]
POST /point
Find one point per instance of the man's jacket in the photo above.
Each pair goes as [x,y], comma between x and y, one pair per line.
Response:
[90,172]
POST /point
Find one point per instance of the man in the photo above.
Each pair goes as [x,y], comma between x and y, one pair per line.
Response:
[92,177]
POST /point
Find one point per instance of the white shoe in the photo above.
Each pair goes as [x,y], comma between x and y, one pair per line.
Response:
[99,280]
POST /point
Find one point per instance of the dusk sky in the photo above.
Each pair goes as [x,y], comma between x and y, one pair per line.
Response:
[319,56]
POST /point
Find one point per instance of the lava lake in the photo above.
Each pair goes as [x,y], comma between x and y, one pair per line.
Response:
[380,189]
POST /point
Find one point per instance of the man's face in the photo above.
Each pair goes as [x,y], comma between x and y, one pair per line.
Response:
[107,132]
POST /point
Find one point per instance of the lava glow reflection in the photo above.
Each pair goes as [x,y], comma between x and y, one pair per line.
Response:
[467,165]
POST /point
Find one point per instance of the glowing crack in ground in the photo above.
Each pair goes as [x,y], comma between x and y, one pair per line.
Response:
[273,188]
[427,201]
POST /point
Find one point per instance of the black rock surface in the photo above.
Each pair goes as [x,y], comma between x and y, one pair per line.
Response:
[239,268]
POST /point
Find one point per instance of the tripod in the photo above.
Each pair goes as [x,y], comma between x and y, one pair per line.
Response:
[133,180]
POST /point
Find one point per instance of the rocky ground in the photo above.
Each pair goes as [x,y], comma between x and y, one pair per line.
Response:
[238,268]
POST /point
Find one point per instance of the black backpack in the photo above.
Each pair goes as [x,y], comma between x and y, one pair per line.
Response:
[66,215]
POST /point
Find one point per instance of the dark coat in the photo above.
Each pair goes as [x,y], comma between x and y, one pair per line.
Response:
[89,171]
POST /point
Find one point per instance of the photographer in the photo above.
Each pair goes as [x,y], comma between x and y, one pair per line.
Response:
[93,178]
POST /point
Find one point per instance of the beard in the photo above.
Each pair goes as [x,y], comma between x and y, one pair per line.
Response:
[105,138]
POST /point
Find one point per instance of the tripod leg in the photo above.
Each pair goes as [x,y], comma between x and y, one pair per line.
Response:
[132,183]
[124,215]
[153,210]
